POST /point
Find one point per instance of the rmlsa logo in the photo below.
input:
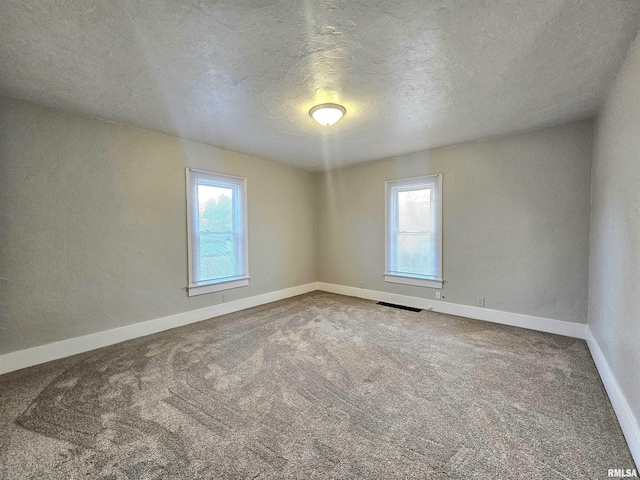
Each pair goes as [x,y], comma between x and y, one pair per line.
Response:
[623,473]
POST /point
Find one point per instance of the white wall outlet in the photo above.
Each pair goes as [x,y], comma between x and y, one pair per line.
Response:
[480,301]
[362,285]
[437,294]
[224,297]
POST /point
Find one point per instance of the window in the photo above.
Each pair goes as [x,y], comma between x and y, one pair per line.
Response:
[217,232]
[414,231]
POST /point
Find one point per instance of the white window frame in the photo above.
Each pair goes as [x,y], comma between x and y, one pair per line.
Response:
[242,243]
[391,274]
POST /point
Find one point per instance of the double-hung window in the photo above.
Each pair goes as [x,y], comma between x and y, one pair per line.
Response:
[217,232]
[414,231]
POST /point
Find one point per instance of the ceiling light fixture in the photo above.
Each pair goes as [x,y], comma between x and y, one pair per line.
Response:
[327,114]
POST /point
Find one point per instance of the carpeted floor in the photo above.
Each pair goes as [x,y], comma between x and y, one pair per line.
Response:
[317,386]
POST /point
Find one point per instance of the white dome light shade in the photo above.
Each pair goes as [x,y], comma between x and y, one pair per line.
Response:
[327,114]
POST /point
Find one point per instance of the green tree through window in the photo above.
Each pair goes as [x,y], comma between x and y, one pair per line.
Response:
[217,215]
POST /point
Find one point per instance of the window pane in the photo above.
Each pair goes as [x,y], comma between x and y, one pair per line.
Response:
[414,210]
[215,209]
[415,253]
[217,232]
[413,239]
[217,256]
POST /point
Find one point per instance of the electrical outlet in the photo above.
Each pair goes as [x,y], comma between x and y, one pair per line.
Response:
[480,301]
[224,297]
[437,294]
[361,284]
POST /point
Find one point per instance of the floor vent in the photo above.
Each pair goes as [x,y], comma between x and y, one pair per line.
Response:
[401,307]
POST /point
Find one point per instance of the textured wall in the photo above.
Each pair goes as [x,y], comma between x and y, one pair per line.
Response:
[515,220]
[93,224]
[614,283]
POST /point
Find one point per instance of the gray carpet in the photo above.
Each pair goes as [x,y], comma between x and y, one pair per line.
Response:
[317,386]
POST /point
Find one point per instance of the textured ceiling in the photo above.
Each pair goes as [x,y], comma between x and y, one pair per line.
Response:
[243,74]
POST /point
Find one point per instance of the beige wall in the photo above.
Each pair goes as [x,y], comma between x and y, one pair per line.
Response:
[614,285]
[93,224]
[515,220]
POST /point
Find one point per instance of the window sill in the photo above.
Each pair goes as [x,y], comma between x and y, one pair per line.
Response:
[413,280]
[218,285]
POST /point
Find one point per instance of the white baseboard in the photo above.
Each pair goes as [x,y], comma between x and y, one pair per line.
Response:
[65,348]
[628,423]
[568,329]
